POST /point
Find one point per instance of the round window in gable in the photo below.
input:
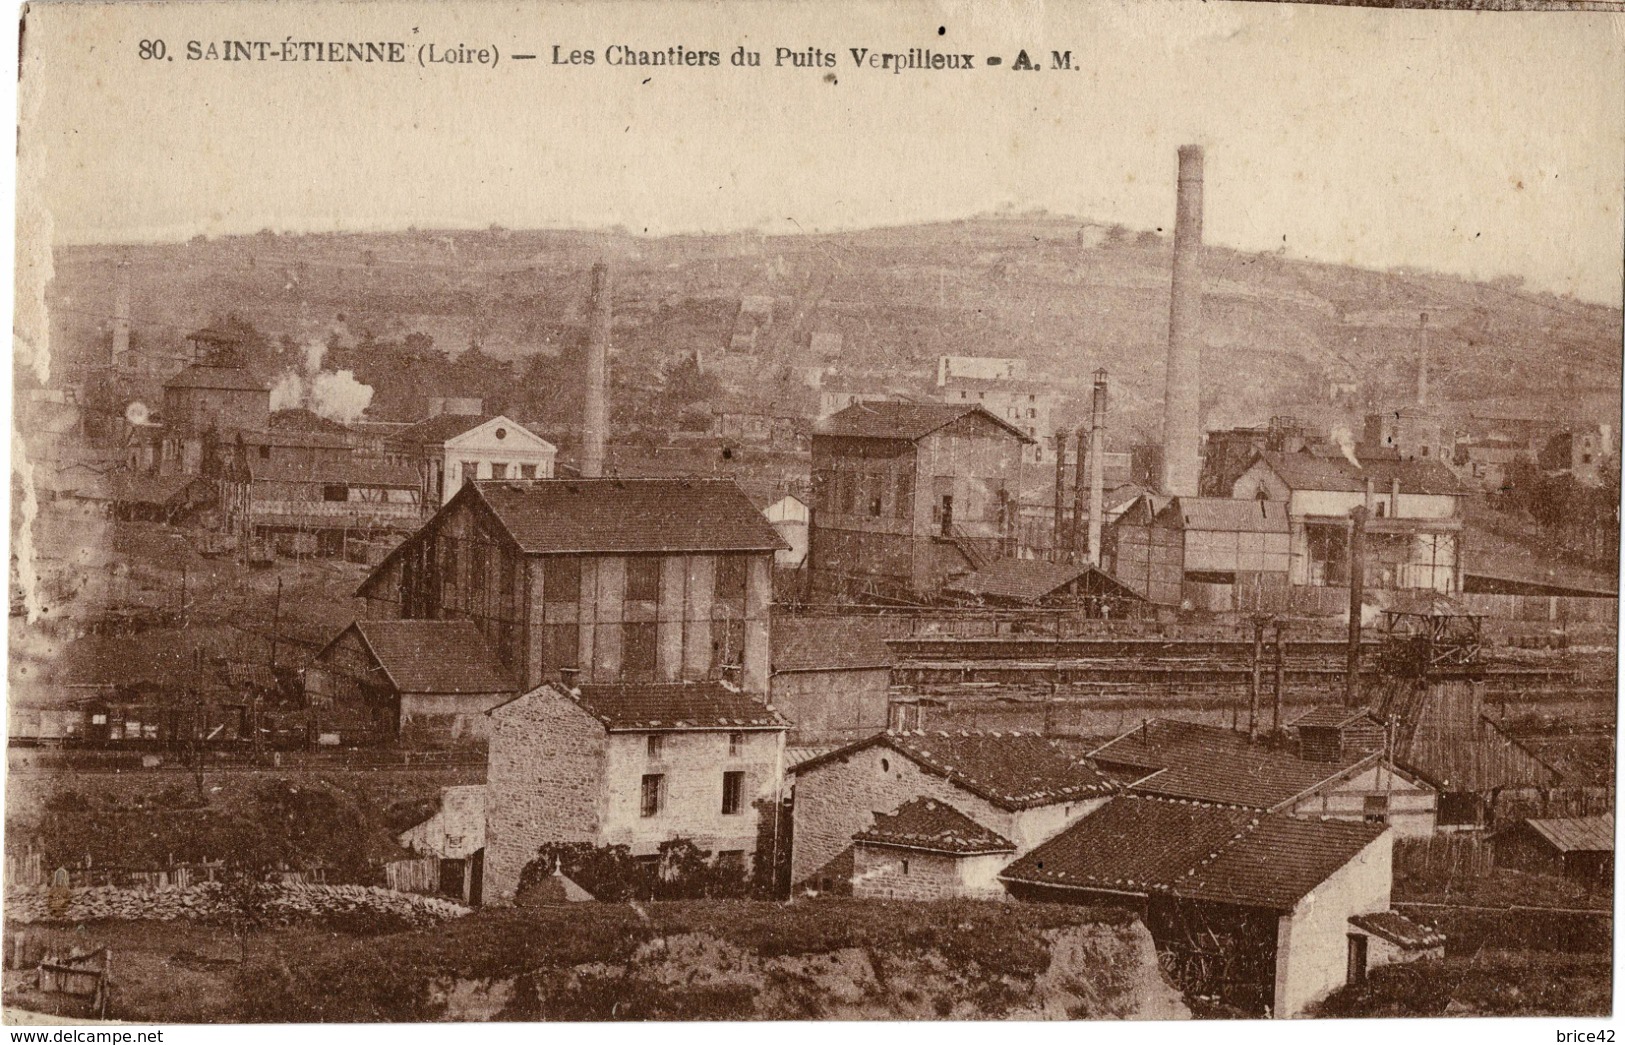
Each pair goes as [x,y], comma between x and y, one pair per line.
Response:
[502,433]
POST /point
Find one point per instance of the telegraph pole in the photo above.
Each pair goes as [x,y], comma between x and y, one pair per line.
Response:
[1351,681]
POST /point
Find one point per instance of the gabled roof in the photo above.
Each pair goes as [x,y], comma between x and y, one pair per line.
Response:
[1011,770]
[827,644]
[1584,834]
[1028,580]
[230,378]
[443,428]
[1213,764]
[1308,471]
[888,419]
[670,706]
[610,516]
[925,823]
[1227,514]
[1142,845]
[433,656]
[1331,716]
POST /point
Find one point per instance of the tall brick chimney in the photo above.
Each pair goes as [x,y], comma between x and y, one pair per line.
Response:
[595,417]
[1181,424]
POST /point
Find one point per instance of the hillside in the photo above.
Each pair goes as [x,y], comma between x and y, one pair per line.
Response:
[1066,294]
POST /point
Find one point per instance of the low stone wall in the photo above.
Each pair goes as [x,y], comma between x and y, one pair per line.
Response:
[212,900]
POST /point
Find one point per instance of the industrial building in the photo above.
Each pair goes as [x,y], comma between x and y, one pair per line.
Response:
[908,496]
[1202,552]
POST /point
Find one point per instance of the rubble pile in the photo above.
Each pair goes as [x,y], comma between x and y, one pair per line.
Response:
[213,900]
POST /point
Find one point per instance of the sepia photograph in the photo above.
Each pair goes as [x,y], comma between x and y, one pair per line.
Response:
[577,510]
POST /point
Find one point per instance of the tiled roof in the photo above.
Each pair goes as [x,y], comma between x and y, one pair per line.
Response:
[1214,764]
[925,823]
[1229,514]
[439,428]
[675,705]
[1143,845]
[888,419]
[233,378]
[1586,834]
[1330,716]
[1011,770]
[435,656]
[1028,580]
[1302,471]
[301,419]
[1399,930]
[827,644]
[608,516]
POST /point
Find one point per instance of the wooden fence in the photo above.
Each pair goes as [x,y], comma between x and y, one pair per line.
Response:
[414,876]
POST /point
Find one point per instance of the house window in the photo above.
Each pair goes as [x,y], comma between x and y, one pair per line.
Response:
[562,649]
[1424,451]
[265,453]
[733,792]
[905,865]
[643,579]
[730,579]
[98,719]
[1376,809]
[654,795]
[656,746]
[561,579]
[499,471]
[335,492]
[730,644]
[471,471]
[736,744]
[527,471]
[638,651]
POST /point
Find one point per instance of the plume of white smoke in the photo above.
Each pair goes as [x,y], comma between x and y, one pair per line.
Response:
[1345,442]
[335,395]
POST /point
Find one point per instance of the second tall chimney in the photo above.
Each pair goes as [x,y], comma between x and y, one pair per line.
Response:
[595,417]
[1097,466]
[121,317]
[1181,424]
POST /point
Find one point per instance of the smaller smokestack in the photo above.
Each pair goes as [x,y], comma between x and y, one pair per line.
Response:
[1370,494]
[596,414]
[121,317]
[1058,551]
[1075,546]
[1097,466]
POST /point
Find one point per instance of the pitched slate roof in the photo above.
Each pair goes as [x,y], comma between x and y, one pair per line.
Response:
[1011,770]
[232,378]
[925,823]
[1028,580]
[1305,471]
[434,656]
[1143,845]
[888,419]
[609,516]
[1228,514]
[439,428]
[1212,764]
[1580,834]
[827,644]
[1399,930]
[674,706]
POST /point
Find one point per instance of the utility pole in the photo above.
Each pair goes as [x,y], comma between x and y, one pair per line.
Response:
[276,624]
[1351,681]
[1280,669]
[1256,683]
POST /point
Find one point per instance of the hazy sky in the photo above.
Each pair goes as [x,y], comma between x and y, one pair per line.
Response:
[1475,143]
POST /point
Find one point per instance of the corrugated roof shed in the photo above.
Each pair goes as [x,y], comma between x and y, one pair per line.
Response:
[1228,514]
[435,656]
[1011,770]
[608,516]
[827,644]
[907,421]
[1580,834]
[925,823]
[1213,764]
[1144,845]
[675,706]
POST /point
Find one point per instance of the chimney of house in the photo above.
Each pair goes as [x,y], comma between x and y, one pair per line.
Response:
[121,317]
[1181,423]
[595,418]
[569,678]
[1370,494]
[1393,499]
[1097,466]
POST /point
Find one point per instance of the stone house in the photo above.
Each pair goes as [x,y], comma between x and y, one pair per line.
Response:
[423,683]
[928,850]
[452,449]
[454,836]
[831,679]
[908,496]
[632,765]
[1019,786]
[1347,778]
[601,580]
[1257,908]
